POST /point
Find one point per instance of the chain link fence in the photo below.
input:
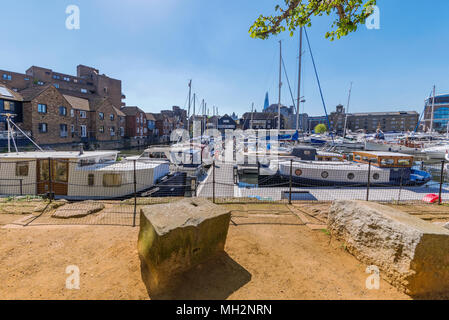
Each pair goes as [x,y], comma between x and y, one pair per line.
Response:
[57,191]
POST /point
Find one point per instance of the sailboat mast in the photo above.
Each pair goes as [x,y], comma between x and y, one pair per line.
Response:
[433,110]
[188,112]
[252,116]
[280,85]
[347,111]
[299,79]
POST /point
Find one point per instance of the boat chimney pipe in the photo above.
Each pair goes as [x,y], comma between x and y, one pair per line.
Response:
[81,149]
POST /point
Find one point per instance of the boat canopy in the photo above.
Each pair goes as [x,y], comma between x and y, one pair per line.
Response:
[384,159]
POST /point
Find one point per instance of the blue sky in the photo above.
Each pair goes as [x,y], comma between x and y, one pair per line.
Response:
[156,46]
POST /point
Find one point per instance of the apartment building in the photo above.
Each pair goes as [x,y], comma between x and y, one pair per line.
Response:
[88,82]
[136,122]
[10,103]
[369,122]
[107,123]
[262,120]
[46,115]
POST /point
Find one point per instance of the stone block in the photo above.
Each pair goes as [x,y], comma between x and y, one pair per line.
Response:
[175,237]
[411,253]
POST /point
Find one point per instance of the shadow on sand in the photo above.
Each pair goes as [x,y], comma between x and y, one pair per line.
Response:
[215,279]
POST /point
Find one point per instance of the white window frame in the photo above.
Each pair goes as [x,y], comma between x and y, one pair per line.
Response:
[83,131]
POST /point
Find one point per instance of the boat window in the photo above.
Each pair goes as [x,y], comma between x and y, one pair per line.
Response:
[43,170]
[387,162]
[351,176]
[112,180]
[373,160]
[298,172]
[22,169]
[357,157]
[306,152]
[404,162]
[324,174]
[61,171]
[376,176]
[86,162]
[91,179]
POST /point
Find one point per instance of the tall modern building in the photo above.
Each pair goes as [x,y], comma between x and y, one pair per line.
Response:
[440,113]
[266,102]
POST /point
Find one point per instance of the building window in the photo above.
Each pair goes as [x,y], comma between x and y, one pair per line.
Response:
[56,85]
[83,114]
[72,128]
[101,115]
[111,117]
[72,113]
[55,76]
[6,76]
[137,130]
[112,180]
[40,83]
[83,131]
[26,79]
[22,169]
[137,119]
[122,131]
[62,111]
[112,131]
[101,129]
[42,108]
[91,179]
[43,128]
[8,106]
[83,90]
[63,130]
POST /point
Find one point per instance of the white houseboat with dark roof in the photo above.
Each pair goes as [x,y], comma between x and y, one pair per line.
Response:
[76,175]
[383,169]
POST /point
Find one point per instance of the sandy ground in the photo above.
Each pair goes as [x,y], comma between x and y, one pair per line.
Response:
[270,254]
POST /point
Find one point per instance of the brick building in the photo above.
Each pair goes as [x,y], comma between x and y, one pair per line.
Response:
[87,83]
[136,122]
[107,123]
[47,115]
[399,121]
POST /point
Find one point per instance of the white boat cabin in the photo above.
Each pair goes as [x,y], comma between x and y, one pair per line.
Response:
[75,174]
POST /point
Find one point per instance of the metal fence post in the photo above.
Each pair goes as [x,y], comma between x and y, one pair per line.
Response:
[21,187]
[290,186]
[400,185]
[213,182]
[135,194]
[369,180]
[50,182]
[441,181]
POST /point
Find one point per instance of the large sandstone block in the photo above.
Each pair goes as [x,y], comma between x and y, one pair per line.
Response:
[411,253]
[175,237]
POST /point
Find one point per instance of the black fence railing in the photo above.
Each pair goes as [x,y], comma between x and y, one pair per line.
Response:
[123,187]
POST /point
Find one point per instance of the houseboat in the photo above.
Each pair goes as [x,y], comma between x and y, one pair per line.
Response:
[384,169]
[76,175]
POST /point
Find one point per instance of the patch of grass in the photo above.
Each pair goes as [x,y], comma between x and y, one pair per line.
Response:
[326,232]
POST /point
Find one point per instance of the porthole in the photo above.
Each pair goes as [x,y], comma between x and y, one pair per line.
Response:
[376,176]
[324,174]
[351,176]
[298,172]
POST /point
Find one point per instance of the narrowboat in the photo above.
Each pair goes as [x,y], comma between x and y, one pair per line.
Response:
[376,168]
